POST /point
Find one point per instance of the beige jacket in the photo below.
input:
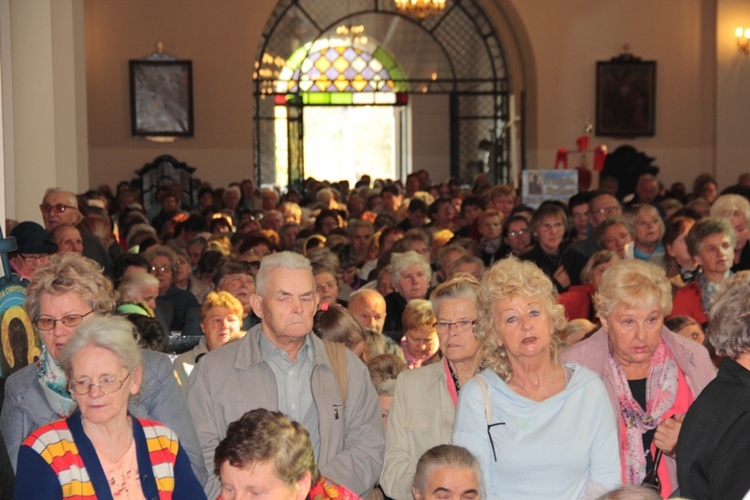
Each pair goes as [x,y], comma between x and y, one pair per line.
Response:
[421,417]
[234,379]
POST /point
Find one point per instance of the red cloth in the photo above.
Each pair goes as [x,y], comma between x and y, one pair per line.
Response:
[577,301]
[688,302]
[561,159]
[449,382]
[326,489]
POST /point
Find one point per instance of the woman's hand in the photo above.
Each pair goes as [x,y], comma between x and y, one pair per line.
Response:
[561,276]
[667,433]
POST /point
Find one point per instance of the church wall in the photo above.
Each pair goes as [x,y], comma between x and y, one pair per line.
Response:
[558,42]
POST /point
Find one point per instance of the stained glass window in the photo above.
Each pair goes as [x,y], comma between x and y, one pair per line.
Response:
[336,71]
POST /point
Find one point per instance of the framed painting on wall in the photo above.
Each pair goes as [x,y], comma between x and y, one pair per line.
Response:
[625,97]
[161,98]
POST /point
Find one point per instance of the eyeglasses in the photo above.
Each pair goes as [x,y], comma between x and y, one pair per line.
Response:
[462,326]
[106,386]
[37,258]
[520,232]
[326,286]
[58,209]
[71,320]
[609,210]
[162,269]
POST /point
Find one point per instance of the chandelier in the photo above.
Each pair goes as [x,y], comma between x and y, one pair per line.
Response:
[420,8]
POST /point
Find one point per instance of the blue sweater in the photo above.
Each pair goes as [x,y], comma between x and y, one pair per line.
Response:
[548,449]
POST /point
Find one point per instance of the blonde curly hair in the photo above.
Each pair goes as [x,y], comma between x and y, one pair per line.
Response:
[507,279]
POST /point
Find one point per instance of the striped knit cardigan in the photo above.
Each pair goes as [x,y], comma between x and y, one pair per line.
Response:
[59,461]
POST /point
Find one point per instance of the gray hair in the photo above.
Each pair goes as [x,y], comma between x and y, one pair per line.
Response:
[704,228]
[231,189]
[468,259]
[284,260]
[132,284]
[163,251]
[599,258]
[729,205]
[729,325]
[401,261]
[113,333]
[72,199]
[609,222]
[631,492]
[446,455]
[634,284]
[461,286]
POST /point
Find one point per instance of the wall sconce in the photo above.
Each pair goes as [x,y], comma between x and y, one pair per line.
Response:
[743,39]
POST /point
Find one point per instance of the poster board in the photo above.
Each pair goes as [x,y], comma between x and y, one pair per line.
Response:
[541,185]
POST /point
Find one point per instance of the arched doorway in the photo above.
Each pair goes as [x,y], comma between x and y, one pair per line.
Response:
[455,54]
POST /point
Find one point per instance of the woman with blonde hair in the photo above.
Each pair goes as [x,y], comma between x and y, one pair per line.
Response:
[651,374]
[539,429]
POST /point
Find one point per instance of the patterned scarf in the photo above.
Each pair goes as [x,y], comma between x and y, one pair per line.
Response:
[708,290]
[54,385]
[661,391]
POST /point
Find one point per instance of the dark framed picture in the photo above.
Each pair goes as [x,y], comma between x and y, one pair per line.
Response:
[625,98]
[161,98]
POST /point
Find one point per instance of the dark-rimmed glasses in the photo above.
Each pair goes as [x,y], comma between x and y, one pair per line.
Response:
[36,257]
[70,320]
[58,209]
[106,386]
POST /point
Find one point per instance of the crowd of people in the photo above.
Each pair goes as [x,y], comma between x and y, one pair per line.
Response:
[381,341]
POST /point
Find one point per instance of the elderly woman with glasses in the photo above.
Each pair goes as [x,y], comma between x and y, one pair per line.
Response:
[66,293]
[651,374]
[538,428]
[163,262]
[549,224]
[99,450]
[425,398]
[411,275]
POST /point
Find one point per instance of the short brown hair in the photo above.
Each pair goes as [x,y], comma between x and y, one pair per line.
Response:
[263,436]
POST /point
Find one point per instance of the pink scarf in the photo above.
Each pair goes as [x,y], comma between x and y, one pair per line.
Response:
[411,361]
[661,391]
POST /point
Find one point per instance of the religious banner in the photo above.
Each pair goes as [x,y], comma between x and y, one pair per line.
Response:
[541,185]
[21,344]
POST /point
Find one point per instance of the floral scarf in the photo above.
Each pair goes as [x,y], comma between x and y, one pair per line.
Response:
[54,385]
[661,391]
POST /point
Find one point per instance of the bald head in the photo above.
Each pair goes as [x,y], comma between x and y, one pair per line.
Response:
[368,306]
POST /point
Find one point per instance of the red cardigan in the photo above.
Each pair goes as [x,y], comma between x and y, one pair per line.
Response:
[688,302]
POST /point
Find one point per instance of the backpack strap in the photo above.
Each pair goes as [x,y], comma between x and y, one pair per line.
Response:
[487,405]
[337,355]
